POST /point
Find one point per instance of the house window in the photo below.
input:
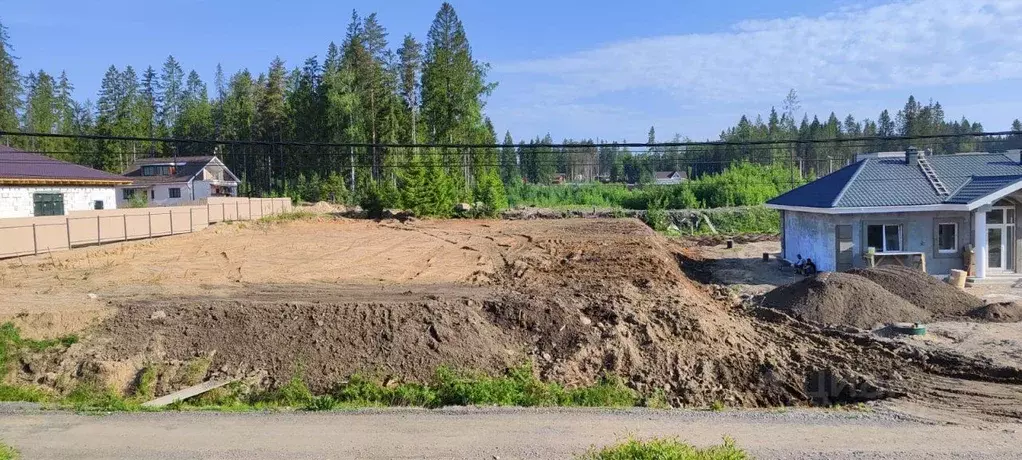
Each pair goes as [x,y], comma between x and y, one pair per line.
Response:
[48,204]
[947,238]
[98,204]
[152,194]
[885,238]
[175,192]
[127,193]
[158,170]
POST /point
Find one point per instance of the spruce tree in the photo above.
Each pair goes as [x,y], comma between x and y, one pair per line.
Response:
[10,84]
[171,94]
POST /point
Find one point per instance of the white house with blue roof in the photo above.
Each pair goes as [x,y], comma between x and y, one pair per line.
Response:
[905,203]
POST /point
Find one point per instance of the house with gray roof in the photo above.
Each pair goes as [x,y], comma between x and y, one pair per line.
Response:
[171,181]
[37,185]
[957,211]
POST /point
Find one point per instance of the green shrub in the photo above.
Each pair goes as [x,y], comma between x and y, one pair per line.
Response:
[656,215]
[665,449]
[145,388]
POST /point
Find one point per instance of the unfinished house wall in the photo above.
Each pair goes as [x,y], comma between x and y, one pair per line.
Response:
[815,236]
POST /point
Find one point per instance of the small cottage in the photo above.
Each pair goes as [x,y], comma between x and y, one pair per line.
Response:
[669,177]
[941,212]
[37,185]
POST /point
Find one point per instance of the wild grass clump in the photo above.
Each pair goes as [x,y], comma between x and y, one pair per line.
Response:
[91,396]
[8,452]
[289,216]
[518,387]
[11,344]
[14,393]
[665,449]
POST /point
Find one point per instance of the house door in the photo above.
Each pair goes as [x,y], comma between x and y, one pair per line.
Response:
[1001,238]
[844,248]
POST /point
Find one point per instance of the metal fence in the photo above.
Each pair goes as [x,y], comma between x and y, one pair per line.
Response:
[40,235]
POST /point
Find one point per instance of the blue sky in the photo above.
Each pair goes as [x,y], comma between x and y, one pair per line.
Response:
[598,68]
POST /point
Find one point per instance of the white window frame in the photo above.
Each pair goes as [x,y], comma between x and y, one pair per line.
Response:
[901,242]
[954,248]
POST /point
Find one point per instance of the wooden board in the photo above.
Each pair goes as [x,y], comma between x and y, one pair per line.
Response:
[187,393]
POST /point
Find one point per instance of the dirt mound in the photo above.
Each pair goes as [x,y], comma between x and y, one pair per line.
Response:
[843,298]
[328,341]
[924,291]
[578,299]
[999,312]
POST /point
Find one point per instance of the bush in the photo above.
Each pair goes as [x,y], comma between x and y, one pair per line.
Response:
[666,449]
[741,184]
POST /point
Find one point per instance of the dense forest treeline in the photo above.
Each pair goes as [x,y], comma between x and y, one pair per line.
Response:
[371,89]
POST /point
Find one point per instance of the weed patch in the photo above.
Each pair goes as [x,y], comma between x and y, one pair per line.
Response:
[289,216]
[665,449]
[11,344]
[8,452]
[23,394]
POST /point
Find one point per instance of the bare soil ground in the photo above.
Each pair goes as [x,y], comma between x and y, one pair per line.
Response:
[576,298]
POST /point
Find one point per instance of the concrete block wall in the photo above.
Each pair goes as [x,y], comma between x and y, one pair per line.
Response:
[18,201]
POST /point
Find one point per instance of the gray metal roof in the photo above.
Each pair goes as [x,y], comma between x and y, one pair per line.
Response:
[891,181]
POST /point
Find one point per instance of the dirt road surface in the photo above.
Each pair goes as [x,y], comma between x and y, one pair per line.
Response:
[490,433]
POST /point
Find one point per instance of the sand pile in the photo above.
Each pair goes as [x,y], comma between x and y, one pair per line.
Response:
[843,298]
[924,291]
[999,312]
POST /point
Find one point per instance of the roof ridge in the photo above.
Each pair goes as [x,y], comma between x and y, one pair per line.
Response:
[841,194]
[959,189]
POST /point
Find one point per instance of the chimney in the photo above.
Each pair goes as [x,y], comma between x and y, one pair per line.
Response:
[912,156]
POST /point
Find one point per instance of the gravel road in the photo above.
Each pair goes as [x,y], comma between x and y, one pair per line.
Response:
[489,434]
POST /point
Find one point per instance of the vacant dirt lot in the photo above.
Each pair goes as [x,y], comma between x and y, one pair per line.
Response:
[578,299]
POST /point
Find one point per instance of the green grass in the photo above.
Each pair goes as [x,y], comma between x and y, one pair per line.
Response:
[11,344]
[665,449]
[289,216]
[13,393]
[717,406]
[8,453]
[518,387]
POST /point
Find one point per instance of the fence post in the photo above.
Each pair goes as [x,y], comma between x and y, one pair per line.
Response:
[99,239]
[170,213]
[150,224]
[249,208]
[67,225]
[125,216]
[237,210]
[191,220]
[35,241]
[223,211]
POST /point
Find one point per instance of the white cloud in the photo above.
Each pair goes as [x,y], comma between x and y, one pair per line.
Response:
[907,44]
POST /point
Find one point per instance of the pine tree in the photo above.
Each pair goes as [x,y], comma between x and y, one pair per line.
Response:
[10,84]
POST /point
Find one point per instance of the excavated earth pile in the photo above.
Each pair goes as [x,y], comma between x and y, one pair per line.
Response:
[924,291]
[843,299]
[578,299]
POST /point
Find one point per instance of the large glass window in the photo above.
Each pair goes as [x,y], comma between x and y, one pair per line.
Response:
[175,192]
[947,238]
[157,170]
[884,238]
